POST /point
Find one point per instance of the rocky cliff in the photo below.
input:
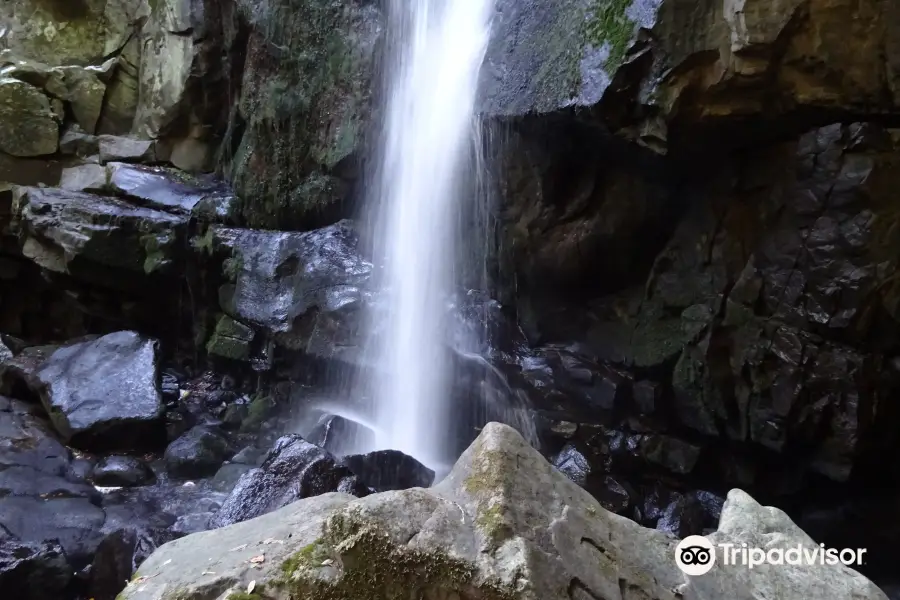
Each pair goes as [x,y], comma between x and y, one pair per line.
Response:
[694,286]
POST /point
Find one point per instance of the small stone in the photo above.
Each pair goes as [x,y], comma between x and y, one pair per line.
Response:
[197,453]
[122,471]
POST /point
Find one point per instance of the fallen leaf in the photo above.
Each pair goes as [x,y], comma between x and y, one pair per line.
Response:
[258,559]
[251,586]
[167,562]
[327,562]
[236,548]
[208,573]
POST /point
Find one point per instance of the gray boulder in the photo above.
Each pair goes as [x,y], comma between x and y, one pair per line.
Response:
[104,392]
[504,524]
[28,126]
[82,32]
[126,149]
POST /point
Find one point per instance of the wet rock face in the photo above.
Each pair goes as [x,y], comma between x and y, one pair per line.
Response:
[291,171]
[304,290]
[766,320]
[292,470]
[104,393]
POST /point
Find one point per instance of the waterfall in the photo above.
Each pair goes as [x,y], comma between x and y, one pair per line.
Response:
[422,184]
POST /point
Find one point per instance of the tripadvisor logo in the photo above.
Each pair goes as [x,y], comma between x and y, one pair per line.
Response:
[696,555]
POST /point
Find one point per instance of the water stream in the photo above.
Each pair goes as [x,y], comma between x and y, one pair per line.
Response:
[422,185]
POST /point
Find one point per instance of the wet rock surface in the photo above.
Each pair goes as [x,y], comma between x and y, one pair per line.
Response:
[103,393]
[116,471]
[385,470]
[38,571]
[293,469]
[198,453]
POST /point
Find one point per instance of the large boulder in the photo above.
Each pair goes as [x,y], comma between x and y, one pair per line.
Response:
[292,470]
[103,393]
[85,234]
[28,126]
[503,524]
[65,33]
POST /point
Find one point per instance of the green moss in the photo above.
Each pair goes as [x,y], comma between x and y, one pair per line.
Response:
[231,267]
[355,560]
[244,596]
[494,524]
[205,244]
[488,472]
[154,252]
[309,556]
[231,339]
[610,26]
[259,410]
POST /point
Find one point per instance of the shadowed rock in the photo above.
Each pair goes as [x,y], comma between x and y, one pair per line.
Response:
[385,470]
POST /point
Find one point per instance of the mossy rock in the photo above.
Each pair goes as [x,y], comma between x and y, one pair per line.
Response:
[28,126]
[231,339]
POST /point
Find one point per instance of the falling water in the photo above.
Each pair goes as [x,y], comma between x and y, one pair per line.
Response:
[435,51]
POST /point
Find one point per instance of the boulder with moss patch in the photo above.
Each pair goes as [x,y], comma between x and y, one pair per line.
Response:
[28,126]
[503,525]
[95,237]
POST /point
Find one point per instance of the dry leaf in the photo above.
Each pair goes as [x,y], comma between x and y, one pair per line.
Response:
[258,559]
[327,562]
[251,586]
[208,573]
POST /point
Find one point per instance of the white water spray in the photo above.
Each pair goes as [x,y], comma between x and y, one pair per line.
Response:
[436,50]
